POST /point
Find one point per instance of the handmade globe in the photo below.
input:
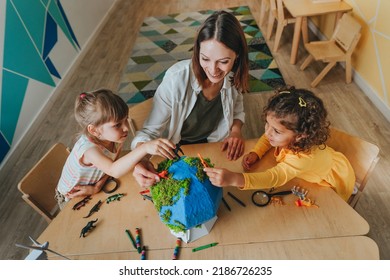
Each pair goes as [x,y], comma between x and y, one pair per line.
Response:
[185,198]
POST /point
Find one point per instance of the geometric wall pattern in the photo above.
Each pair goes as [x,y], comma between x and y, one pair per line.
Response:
[31,32]
[162,41]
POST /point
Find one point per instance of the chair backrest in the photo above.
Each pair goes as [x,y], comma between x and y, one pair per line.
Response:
[138,114]
[277,8]
[362,155]
[39,184]
[347,33]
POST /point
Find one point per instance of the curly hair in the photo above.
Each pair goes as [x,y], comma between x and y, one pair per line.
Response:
[302,112]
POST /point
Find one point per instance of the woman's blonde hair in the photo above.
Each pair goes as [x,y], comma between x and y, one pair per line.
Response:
[99,107]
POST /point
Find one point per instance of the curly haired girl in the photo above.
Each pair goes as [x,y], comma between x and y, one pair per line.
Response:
[296,126]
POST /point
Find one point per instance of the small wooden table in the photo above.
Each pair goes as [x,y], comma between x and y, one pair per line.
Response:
[236,231]
[301,9]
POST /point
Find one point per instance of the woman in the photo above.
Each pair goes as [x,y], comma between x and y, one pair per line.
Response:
[200,100]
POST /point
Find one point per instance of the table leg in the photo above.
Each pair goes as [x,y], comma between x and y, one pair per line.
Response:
[305,32]
[295,43]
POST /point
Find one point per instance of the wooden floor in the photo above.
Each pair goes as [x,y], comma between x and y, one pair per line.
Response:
[102,66]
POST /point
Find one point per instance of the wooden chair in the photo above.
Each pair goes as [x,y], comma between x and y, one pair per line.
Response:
[265,6]
[138,114]
[338,49]
[39,184]
[362,155]
[281,14]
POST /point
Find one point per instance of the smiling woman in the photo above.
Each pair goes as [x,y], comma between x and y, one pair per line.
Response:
[200,100]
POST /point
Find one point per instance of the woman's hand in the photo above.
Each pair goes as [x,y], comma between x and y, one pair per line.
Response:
[160,147]
[234,145]
[222,177]
[249,160]
[145,174]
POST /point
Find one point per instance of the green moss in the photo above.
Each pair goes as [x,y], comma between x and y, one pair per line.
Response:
[166,217]
[177,227]
[167,192]
[165,164]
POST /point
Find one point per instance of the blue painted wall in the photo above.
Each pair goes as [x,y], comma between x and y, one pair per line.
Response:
[38,44]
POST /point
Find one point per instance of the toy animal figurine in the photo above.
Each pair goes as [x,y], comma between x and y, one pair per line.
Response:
[301,193]
[94,209]
[114,197]
[277,200]
[90,225]
[303,199]
[306,202]
[163,174]
[81,203]
[177,150]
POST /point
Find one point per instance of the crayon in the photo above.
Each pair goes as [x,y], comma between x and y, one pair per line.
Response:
[176,250]
[131,238]
[226,204]
[236,199]
[138,240]
[143,253]
[204,247]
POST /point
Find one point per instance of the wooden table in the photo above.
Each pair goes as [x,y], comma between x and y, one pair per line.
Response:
[274,227]
[337,248]
[301,9]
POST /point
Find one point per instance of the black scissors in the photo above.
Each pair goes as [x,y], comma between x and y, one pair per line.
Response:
[177,150]
[261,198]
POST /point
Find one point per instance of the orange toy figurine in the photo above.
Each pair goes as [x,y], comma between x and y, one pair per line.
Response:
[204,163]
[163,174]
[303,200]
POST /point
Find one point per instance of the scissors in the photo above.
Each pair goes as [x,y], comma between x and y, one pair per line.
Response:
[177,150]
[261,198]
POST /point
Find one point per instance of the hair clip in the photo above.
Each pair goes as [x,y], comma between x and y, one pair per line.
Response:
[302,102]
[285,91]
[82,95]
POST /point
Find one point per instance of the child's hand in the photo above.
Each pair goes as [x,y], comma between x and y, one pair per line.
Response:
[81,190]
[249,159]
[160,147]
[224,178]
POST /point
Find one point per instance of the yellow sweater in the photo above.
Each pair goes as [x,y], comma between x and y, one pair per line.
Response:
[325,167]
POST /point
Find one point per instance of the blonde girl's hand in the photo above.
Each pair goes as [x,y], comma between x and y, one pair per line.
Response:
[81,190]
[249,159]
[222,177]
[160,147]
[234,145]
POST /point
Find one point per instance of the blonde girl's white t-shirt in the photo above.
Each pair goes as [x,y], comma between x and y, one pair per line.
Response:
[75,172]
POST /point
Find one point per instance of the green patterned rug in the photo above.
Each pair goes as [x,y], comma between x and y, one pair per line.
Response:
[162,41]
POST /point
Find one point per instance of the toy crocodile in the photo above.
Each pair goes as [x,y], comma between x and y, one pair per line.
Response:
[114,197]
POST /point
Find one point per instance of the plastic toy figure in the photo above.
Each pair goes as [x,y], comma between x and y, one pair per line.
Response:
[90,225]
[204,163]
[114,197]
[303,199]
[163,174]
[301,193]
[94,209]
[81,203]
[177,150]
[277,200]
